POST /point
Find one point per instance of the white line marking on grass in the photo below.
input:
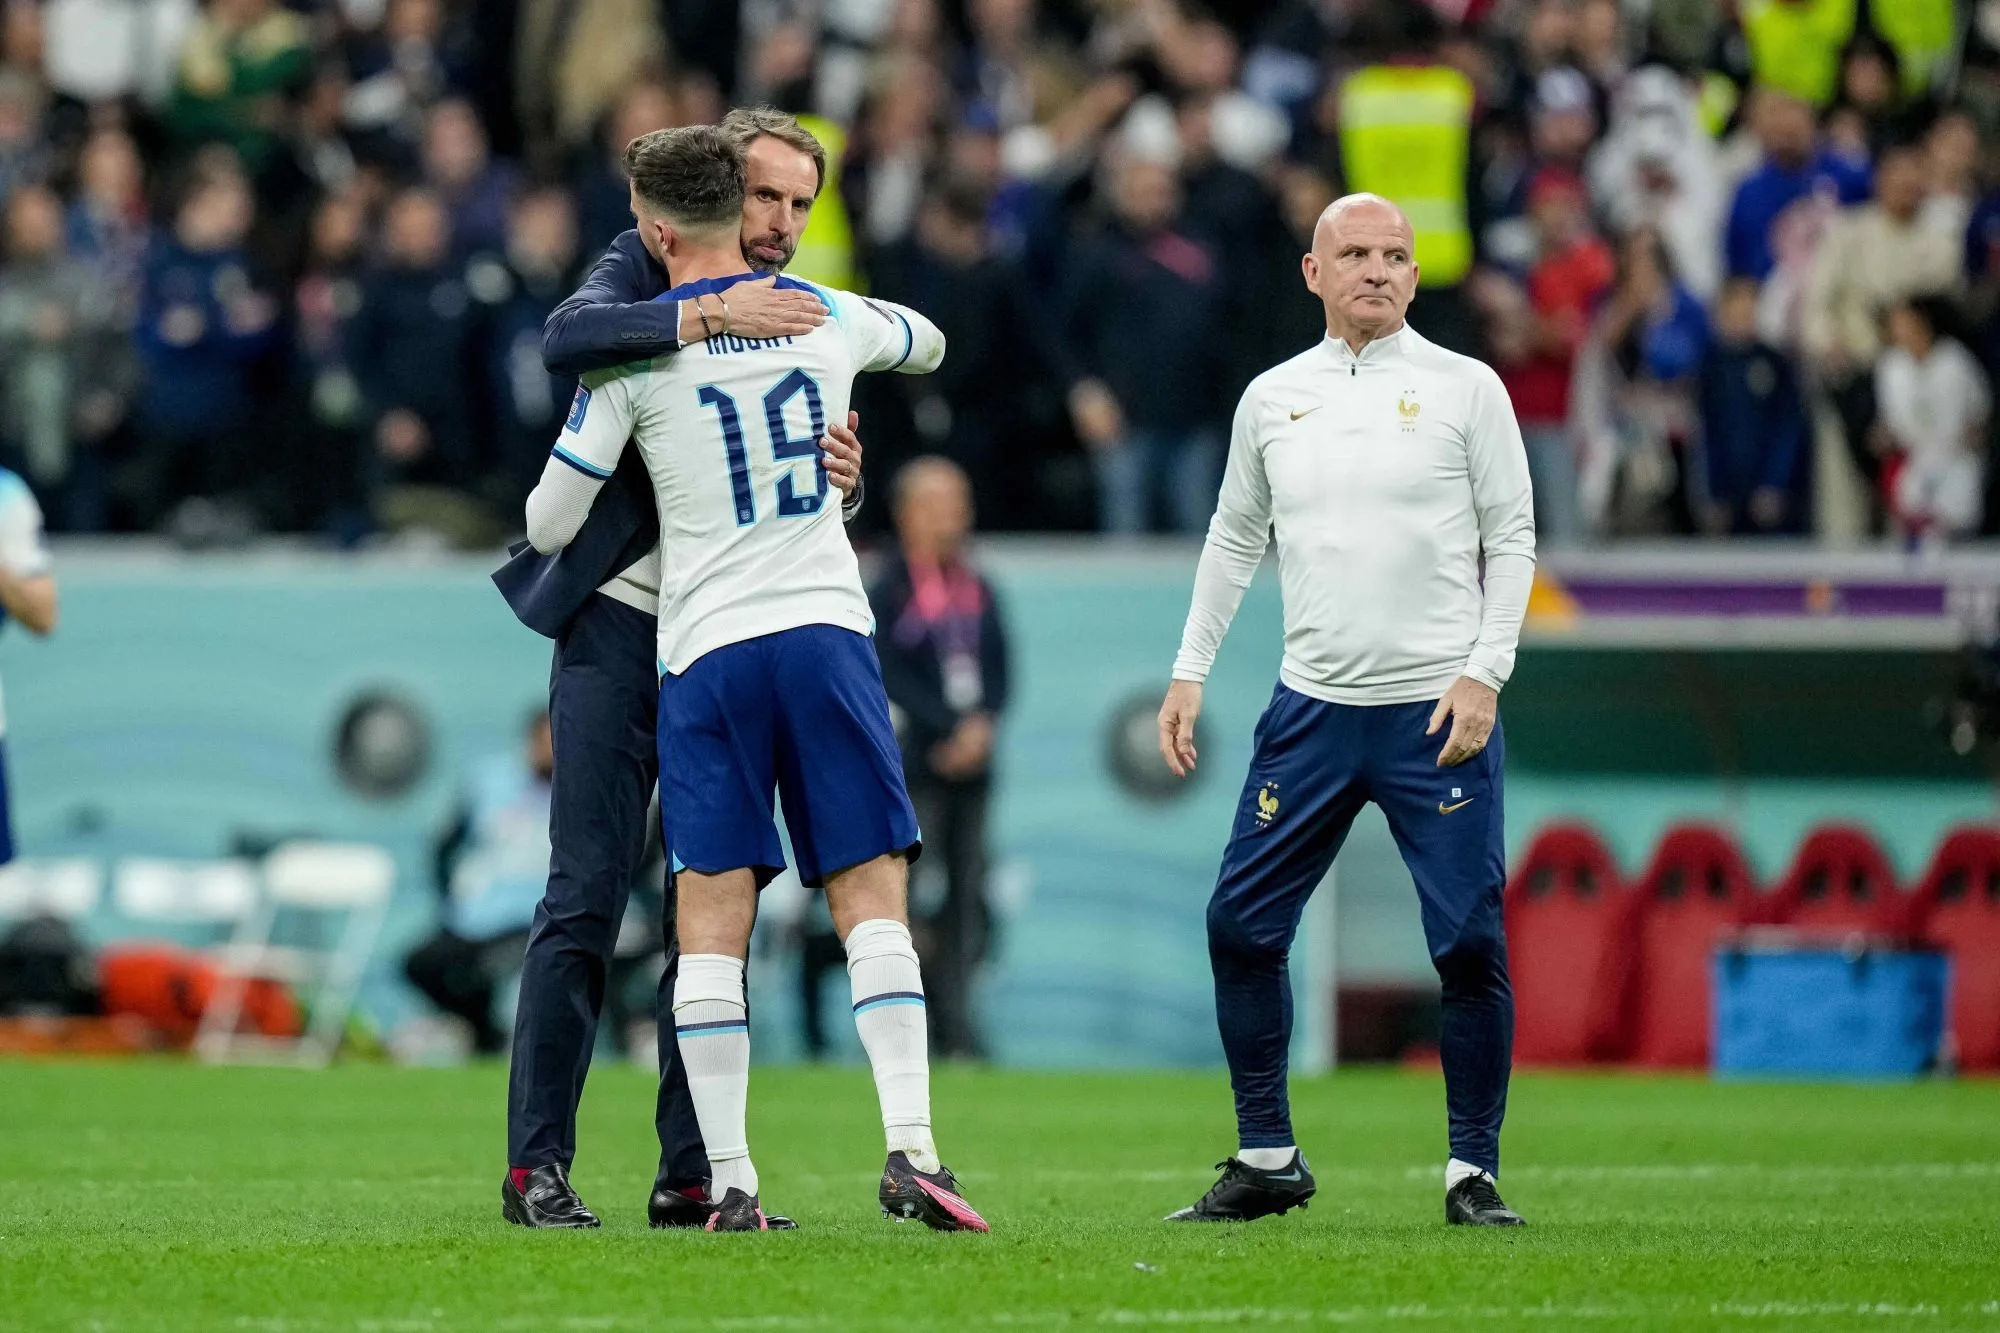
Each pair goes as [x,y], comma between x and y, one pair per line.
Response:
[1821,1309]
[1416,1312]
[281,1182]
[1499,1313]
[1665,1171]
[1698,1171]
[1359,1314]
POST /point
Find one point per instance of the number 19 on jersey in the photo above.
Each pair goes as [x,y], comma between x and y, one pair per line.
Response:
[784,446]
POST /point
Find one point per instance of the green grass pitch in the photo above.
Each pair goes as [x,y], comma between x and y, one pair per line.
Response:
[144,1196]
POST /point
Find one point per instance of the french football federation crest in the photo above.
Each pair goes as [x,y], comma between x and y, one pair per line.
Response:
[1267,803]
[1408,408]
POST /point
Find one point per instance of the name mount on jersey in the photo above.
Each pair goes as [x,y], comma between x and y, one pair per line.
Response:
[722,344]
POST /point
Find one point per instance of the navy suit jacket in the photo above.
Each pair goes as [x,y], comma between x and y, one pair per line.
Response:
[611,320]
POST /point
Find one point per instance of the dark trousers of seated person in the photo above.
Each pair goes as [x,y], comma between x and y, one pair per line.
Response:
[459,976]
[955,938]
[820,953]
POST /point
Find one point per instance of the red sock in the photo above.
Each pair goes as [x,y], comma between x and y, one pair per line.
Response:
[519,1175]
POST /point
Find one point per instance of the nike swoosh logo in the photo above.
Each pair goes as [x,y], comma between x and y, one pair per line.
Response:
[1296,1175]
[1308,411]
[1444,809]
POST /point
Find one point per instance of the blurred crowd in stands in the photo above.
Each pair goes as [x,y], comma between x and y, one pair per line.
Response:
[273,265]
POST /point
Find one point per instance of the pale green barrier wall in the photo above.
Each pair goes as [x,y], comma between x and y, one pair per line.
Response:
[188,700]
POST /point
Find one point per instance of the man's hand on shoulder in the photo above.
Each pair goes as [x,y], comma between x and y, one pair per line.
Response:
[1472,708]
[1177,715]
[759,309]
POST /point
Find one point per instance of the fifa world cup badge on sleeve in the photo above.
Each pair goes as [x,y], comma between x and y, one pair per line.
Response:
[577,407]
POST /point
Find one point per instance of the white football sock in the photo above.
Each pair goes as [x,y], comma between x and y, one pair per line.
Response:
[1267,1159]
[712,1027]
[889,1014]
[1455,1171]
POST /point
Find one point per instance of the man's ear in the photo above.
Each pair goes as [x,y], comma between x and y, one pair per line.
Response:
[1310,265]
[664,232]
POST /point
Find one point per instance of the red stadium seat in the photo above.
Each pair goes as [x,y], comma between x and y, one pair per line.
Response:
[1696,891]
[1958,902]
[1568,941]
[1841,882]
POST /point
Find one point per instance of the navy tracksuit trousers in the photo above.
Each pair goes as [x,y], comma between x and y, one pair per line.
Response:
[603,694]
[1314,766]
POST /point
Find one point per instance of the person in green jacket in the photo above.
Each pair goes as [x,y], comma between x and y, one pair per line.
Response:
[243,62]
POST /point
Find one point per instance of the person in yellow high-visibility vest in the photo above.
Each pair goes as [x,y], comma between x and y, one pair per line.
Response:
[1924,33]
[1406,135]
[826,250]
[1795,44]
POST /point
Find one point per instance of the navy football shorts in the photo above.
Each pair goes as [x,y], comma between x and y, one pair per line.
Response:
[802,713]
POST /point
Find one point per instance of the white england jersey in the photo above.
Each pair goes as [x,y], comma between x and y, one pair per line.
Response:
[751,540]
[23,553]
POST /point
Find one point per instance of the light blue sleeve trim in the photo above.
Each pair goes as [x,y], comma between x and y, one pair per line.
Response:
[826,298]
[909,338]
[588,469]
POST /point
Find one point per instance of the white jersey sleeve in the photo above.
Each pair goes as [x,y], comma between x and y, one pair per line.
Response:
[601,419]
[24,552]
[885,336]
[1237,538]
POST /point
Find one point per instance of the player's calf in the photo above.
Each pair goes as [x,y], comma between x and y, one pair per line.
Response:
[711,1025]
[890,1018]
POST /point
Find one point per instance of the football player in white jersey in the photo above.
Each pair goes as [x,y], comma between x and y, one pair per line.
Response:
[27,594]
[768,679]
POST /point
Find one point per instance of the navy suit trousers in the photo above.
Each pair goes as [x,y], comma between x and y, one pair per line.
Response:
[603,695]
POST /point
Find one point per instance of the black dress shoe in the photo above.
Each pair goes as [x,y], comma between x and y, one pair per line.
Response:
[671,1208]
[1473,1202]
[544,1200]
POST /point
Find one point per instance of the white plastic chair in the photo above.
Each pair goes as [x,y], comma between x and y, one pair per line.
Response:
[149,888]
[65,887]
[347,879]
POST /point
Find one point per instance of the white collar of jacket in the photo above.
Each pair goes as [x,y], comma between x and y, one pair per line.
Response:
[1389,347]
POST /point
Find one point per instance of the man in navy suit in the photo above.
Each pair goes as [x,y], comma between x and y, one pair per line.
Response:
[594,600]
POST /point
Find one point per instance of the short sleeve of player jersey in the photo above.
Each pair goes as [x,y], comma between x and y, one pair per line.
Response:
[600,422]
[23,552]
[877,333]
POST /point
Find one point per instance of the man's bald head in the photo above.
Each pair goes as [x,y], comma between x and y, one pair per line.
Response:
[1363,267]
[1365,209]
[933,501]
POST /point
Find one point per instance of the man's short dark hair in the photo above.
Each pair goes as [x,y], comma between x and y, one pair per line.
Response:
[693,175]
[747,124]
